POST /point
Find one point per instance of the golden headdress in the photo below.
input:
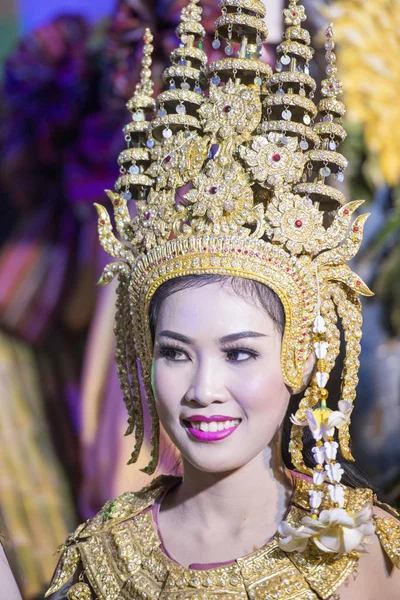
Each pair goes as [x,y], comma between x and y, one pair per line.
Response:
[228,172]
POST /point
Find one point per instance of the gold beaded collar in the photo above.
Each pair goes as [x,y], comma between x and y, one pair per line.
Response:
[120,552]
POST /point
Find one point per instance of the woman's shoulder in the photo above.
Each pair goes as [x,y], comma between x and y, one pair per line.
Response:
[378,572]
[90,533]
[378,569]
[126,506]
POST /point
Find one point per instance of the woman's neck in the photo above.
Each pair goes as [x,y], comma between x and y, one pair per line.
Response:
[258,492]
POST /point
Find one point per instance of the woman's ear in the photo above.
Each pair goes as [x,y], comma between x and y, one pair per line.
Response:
[308,372]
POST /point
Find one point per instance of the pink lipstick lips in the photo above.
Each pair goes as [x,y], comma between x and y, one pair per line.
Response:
[211,429]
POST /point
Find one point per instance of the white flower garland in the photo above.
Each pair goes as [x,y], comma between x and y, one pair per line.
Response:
[335,530]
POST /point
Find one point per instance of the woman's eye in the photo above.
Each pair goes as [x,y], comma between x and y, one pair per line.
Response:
[240,355]
[172,354]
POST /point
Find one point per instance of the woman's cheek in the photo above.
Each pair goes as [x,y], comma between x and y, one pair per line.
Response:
[265,396]
[168,384]
[258,381]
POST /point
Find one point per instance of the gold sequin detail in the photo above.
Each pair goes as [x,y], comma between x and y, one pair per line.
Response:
[80,591]
[388,531]
[66,568]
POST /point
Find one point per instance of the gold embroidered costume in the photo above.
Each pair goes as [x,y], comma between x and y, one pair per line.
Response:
[117,555]
[229,171]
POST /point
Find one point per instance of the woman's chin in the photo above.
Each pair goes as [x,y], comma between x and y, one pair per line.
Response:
[217,461]
[212,467]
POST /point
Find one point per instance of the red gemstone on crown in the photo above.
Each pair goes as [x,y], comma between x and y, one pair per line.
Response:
[355,229]
[276,157]
[167,159]
[227,108]
[358,282]
[299,223]
[294,14]
[346,212]
[147,215]
[102,222]
[213,190]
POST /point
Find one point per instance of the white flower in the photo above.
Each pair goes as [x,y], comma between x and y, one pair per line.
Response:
[340,532]
[336,493]
[321,349]
[331,449]
[319,325]
[318,477]
[311,422]
[341,417]
[295,421]
[319,454]
[315,498]
[313,425]
[322,421]
[334,472]
[294,539]
[322,379]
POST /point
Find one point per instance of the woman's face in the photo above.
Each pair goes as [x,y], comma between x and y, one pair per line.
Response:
[217,378]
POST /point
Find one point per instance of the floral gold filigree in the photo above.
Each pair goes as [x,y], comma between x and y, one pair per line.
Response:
[154,219]
[178,160]
[221,200]
[295,222]
[272,162]
[231,110]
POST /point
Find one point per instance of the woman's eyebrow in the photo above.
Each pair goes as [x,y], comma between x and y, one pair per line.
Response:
[175,336]
[233,337]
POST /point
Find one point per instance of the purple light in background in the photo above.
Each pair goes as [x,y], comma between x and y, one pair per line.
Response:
[33,13]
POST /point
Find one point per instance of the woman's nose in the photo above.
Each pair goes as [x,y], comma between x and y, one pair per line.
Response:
[207,385]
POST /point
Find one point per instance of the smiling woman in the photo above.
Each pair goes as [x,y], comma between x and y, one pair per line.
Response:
[205,375]
[233,286]
[221,398]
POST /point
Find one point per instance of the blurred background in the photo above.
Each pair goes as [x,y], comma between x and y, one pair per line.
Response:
[67,69]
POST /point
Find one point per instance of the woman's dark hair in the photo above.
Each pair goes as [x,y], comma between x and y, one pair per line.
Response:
[260,295]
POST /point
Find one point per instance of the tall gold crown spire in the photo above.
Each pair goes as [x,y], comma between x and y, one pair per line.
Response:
[326,161]
[242,26]
[142,106]
[230,178]
[290,107]
[135,159]
[177,106]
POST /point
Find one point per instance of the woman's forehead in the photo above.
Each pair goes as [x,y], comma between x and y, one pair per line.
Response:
[213,309]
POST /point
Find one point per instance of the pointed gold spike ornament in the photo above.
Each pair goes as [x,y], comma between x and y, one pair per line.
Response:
[230,178]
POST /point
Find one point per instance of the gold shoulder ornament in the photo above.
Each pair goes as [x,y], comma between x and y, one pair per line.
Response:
[230,170]
[124,507]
